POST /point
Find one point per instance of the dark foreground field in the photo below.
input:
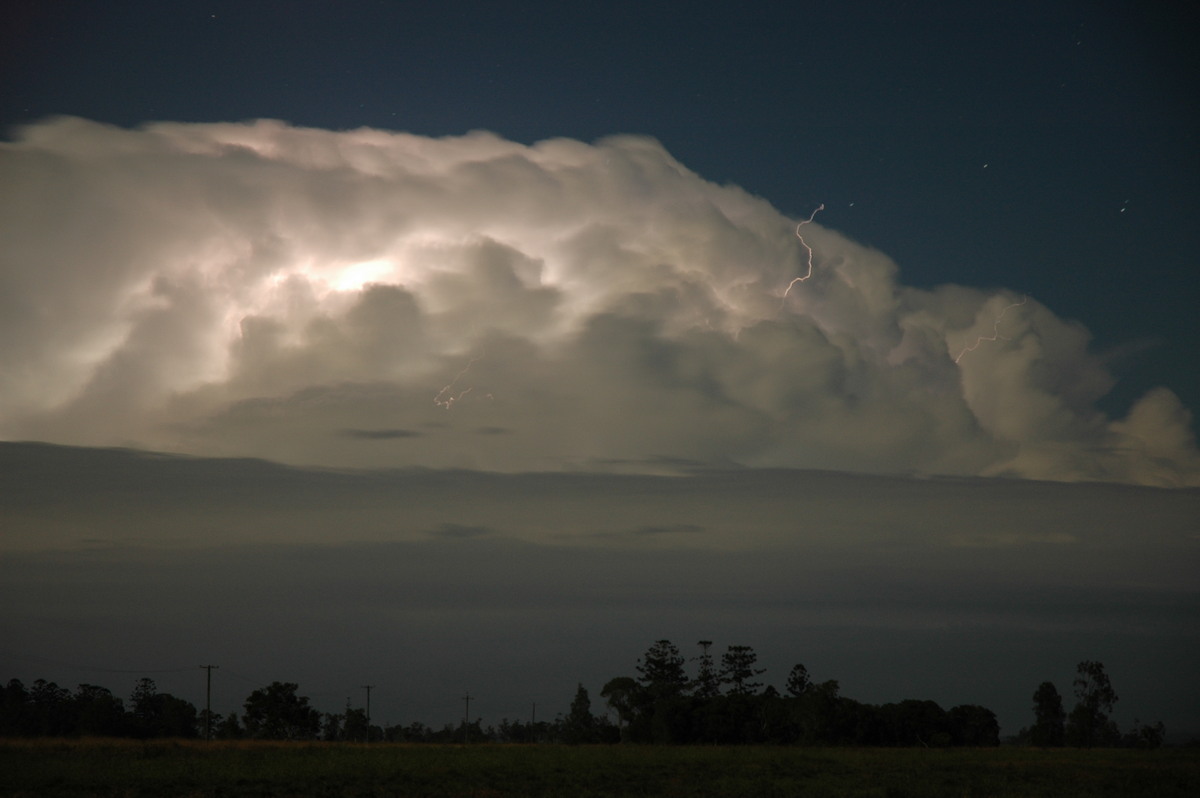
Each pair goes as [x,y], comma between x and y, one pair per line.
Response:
[131,769]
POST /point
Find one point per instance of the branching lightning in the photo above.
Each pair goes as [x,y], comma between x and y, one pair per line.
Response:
[995,336]
[807,249]
[448,397]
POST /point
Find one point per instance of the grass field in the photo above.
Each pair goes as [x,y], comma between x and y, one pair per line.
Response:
[171,768]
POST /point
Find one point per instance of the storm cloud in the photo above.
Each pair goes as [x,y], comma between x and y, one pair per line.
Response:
[368,298]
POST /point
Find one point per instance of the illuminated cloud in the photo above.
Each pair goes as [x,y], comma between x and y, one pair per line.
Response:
[368,298]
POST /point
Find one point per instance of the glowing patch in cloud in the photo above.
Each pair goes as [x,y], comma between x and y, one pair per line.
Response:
[261,288]
[357,275]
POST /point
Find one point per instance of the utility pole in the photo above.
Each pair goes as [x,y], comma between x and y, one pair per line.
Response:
[208,702]
[368,687]
[467,718]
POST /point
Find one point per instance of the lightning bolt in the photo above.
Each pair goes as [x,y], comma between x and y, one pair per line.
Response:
[447,398]
[807,248]
[995,336]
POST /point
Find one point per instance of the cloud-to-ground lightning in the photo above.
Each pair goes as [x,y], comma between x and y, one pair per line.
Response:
[995,336]
[807,249]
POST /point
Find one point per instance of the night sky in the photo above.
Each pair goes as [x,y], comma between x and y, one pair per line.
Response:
[520,283]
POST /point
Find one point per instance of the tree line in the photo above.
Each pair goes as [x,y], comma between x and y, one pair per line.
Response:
[275,712]
[722,703]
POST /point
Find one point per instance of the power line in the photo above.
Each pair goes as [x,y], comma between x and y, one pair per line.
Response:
[78,667]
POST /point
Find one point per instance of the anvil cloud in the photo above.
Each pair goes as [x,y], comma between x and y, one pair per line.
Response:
[369,298]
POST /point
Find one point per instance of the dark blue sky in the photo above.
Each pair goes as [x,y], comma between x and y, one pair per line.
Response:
[1047,147]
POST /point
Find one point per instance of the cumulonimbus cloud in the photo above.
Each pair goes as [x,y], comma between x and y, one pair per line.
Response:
[259,289]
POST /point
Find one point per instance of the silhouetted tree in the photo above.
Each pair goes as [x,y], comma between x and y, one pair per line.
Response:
[354,725]
[1049,724]
[52,709]
[155,714]
[854,723]
[816,713]
[16,714]
[662,671]
[415,732]
[798,681]
[779,718]
[205,720]
[177,717]
[229,728]
[671,720]
[1143,735]
[973,725]
[912,722]
[1088,724]
[142,708]
[515,731]
[470,732]
[621,695]
[331,727]
[579,725]
[276,712]
[98,713]
[707,682]
[737,669]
